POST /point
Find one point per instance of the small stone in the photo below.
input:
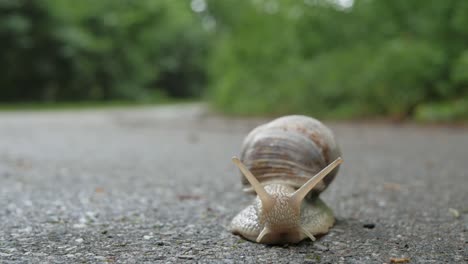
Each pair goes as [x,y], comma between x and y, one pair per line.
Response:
[147,237]
[81,225]
[70,248]
[186,256]
[337,230]
[454,212]
[91,215]
[399,260]
[382,203]
[79,240]
[320,247]
[53,219]
[27,229]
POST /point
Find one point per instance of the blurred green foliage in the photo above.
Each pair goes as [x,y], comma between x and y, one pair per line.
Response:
[54,50]
[326,58]
[392,58]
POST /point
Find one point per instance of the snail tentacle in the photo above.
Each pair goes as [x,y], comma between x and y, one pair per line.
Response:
[299,195]
[267,200]
[307,233]
[262,234]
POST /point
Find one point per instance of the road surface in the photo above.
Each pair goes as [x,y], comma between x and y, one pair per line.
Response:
[157,184]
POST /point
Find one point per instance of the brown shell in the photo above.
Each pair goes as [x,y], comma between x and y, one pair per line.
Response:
[290,150]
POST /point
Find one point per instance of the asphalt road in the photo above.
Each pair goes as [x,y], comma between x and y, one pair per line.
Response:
[157,185]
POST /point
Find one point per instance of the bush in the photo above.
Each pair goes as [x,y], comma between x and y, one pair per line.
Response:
[99,50]
[319,58]
[402,75]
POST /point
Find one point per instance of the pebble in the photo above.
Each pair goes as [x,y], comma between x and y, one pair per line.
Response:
[369,225]
[186,256]
[70,248]
[25,230]
[92,216]
[337,230]
[454,212]
[320,247]
[53,219]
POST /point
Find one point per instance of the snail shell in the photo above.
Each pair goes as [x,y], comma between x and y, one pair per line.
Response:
[287,163]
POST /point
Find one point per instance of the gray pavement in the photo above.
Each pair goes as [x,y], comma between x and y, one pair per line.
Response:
[157,185]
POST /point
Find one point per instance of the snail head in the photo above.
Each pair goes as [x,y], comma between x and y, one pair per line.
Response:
[279,212]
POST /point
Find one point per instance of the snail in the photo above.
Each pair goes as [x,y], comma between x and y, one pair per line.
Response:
[287,162]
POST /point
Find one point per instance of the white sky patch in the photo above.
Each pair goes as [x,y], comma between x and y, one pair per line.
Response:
[341,4]
[345,3]
[198,5]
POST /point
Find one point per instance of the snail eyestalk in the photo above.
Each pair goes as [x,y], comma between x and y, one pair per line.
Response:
[267,200]
[299,195]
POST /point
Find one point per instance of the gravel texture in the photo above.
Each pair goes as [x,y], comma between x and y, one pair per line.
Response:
[157,185]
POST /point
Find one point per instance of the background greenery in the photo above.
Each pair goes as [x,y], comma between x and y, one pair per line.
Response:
[327,58]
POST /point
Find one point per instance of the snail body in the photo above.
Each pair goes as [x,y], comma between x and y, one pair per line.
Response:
[287,162]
